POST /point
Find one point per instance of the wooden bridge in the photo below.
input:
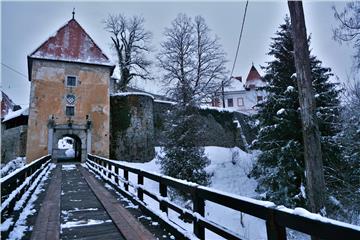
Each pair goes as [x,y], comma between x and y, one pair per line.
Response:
[101,200]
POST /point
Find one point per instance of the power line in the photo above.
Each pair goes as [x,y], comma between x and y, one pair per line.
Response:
[14,70]
[240,36]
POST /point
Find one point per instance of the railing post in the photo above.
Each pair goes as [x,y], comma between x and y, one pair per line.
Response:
[140,182]
[273,230]
[116,171]
[109,170]
[198,207]
[103,164]
[163,193]
[98,164]
[126,176]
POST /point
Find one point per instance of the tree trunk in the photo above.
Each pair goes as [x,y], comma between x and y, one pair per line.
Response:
[311,135]
[223,94]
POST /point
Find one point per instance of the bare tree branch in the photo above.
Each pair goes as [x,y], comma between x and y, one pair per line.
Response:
[131,43]
[193,60]
[348,29]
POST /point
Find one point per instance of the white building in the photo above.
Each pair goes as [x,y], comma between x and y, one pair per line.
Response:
[241,96]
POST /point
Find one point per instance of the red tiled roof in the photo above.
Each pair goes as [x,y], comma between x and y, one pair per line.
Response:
[71,43]
[253,75]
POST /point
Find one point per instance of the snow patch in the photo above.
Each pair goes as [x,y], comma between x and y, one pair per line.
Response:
[68,167]
[132,94]
[289,89]
[6,224]
[20,112]
[81,223]
[11,166]
[70,152]
[281,111]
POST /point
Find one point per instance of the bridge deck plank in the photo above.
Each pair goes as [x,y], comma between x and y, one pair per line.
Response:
[47,224]
[82,214]
[126,223]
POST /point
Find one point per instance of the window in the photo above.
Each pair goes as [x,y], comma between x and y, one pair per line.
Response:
[230,102]
[216,102]
[259,98]
[70,110]
[70,99]
[71,81]
[240,101]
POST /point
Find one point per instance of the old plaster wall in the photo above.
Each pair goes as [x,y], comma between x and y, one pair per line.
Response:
[48,98]
[132,128]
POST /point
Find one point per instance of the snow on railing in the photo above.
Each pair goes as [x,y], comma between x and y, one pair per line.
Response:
[277,218]
[27,166]
[16,190]
[17,182]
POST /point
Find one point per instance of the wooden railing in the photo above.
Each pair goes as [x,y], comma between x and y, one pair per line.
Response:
[14,185]
[277,220]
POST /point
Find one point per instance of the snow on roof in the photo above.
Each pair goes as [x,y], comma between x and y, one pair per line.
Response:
[253,74]
[71,43]
[132,94]
[164,101]
[254,79]
[20,112]
[235,85]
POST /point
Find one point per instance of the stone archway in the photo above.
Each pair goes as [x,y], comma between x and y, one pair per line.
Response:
[82,141]
[69,148]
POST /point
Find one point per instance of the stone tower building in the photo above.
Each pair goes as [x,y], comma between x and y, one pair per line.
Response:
[69,95]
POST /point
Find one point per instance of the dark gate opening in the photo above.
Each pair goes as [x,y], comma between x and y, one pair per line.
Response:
[70,148]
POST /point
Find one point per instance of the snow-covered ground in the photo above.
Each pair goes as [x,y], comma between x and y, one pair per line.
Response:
[230,167]
[12,166]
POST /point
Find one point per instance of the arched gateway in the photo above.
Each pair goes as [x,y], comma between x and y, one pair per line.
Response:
[69,95]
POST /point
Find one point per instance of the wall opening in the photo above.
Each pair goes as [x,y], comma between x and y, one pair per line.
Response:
[69,147]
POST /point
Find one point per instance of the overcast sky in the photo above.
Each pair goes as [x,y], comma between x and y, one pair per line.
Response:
[26,25]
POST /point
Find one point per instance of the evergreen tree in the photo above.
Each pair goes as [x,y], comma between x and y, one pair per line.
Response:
[280,166]
[183,158]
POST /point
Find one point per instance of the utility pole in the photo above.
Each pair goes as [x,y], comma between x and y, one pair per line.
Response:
[311,135]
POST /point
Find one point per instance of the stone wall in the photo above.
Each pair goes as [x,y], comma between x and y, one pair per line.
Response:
[132,128]
[219,128]
[13,143]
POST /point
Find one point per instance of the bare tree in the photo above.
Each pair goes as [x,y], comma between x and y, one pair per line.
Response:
[349,27]
[131,42]
[193,60]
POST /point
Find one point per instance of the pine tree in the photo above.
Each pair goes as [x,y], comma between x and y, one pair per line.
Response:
[183,157]
[280,166]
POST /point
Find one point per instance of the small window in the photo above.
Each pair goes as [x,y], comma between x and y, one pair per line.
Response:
[71,81]
[70,110]
[240,102]
[70,99]
[259,98]
[216,102]
[230,102]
